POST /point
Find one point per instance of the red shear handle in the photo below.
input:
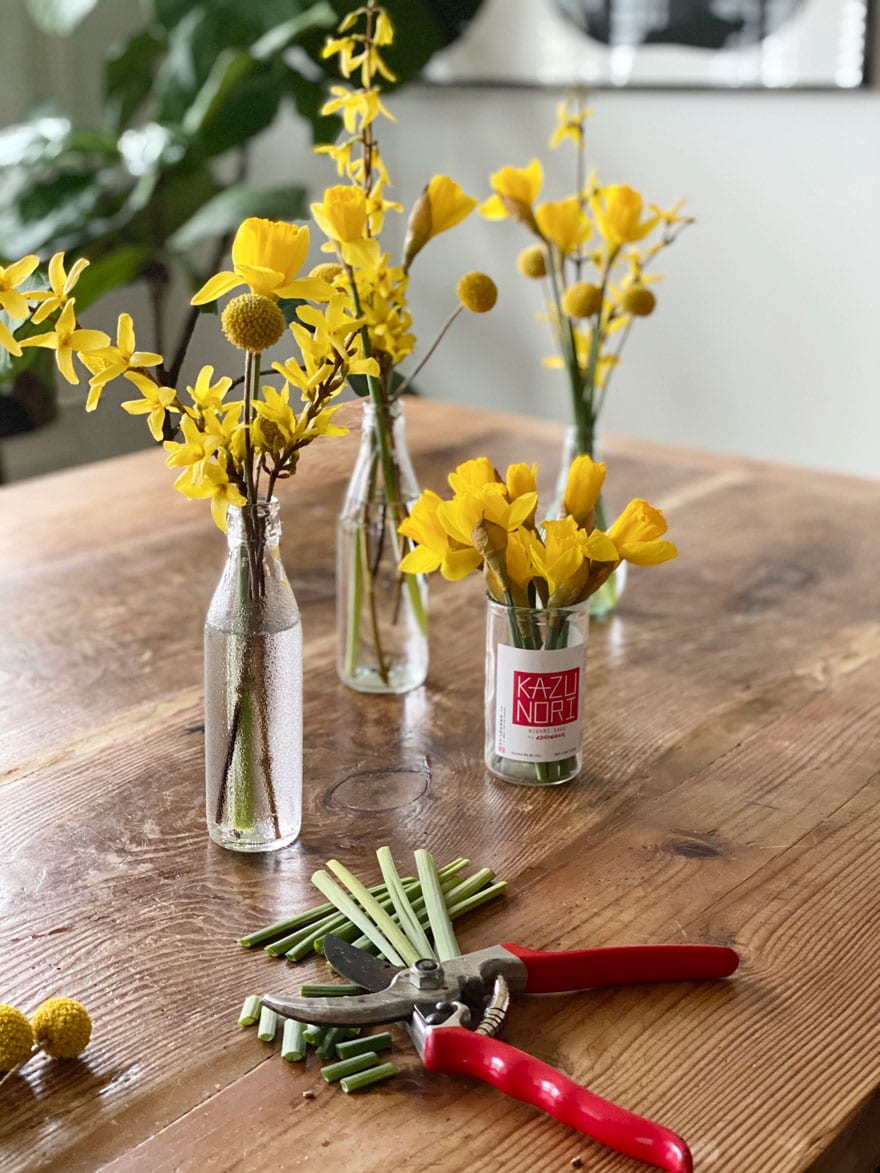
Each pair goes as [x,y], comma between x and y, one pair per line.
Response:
[579,969]
[456,1051]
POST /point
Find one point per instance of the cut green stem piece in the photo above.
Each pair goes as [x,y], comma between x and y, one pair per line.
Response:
[468,886]
[282,927]
[310,932]
[293,1041]
[409,922]
[445,943]
[478,898]
[395,935]
[362,1079]
[376,1042]
[314,1035]
[336,990]
[332,1036]
[336,895]
[268,1025]
[250,1011]
[334,1071]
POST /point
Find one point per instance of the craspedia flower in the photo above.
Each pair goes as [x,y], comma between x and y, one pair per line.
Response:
[253,322]
[638,301]
[62,1028]
[477,292]
[327,271]
[16,1038]
[532,261]
[582,300]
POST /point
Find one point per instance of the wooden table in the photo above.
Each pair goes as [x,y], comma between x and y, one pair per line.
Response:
[730,795]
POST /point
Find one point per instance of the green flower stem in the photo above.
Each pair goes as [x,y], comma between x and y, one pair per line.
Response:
[350,1066]
[293,1042]
[355,1083]
[369,1043]
[330,990]
[250,1011]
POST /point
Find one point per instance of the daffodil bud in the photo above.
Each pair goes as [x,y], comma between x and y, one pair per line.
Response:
[490,540]
[418,228]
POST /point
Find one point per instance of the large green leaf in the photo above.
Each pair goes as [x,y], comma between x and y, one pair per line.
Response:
[114,270]
[317,17]
[59,16]
[225,212]
[129,73]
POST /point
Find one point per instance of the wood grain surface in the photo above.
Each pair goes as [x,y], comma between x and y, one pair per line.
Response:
[730,795]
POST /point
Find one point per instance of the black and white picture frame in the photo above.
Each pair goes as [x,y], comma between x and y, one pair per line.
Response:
[663,44]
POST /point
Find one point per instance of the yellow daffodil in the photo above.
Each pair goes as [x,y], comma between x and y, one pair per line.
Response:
[618,214]
[636,535]
[12,301]
[61,283]
[441,206]
[435,549]
[342,214]
[563,223]
[68,339]
[459,516]
[117,360]
[266,256]
[582,489]
[515,191]
[156,401]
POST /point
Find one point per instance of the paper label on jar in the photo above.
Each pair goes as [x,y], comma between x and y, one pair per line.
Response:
[539,703]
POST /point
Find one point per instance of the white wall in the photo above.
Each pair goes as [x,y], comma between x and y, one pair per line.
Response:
[765,337]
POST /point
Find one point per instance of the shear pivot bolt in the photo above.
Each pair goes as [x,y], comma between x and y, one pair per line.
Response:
[427,974]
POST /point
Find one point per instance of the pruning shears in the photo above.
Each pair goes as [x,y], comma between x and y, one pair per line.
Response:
[453,1011]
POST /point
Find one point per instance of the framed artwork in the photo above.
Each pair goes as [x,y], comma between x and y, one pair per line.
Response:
[662,44]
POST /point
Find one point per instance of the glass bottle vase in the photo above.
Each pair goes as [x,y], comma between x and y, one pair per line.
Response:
[536,662]
[382,614]
[604,601]
[253,691]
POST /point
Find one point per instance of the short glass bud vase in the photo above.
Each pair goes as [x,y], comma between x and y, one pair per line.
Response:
[381,614]
[536,662]
[253,691]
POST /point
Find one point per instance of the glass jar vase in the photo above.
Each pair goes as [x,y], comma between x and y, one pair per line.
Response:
[606,598]
[535,682]
[382,614]
[253,691]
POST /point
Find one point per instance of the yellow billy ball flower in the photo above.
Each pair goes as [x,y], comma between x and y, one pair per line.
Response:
[328,271]
[532,261]
[582,300]
[252,322]
[638,301]
[477,292]
[16,1038]
[62,1028]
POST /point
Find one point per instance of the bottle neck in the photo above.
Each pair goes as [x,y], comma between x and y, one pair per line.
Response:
[258,524]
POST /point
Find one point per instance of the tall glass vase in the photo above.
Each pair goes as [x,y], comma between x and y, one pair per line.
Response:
[382,615]
[606,598]
[253,691]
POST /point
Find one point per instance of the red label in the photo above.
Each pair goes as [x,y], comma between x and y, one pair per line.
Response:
[546,698]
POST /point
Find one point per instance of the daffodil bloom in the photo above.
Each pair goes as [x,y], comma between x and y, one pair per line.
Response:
[12,301]
[61,286]
[472,475]
[636,535]
[66,340]
[441,206]
[119,360]
[266,256]
[563,223]
[459,516]
[342,214]
[516,189]
[618,214]
[156,401]
[435,549]
[582,488]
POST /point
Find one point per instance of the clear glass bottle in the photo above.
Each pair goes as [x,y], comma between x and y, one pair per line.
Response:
[606,598]
[381,614]
[253,691]
[536,661]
